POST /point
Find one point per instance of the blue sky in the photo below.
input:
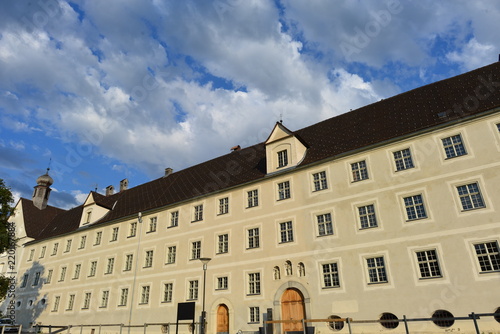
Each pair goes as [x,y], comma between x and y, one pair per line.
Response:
[106,90]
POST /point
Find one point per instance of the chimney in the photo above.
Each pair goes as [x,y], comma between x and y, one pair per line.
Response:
[123,185]
[110,190]
[236,148]
[168,171]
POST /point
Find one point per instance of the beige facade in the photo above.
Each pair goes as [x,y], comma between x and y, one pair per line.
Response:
[396,227]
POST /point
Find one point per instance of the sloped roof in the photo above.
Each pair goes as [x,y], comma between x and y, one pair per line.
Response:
[35,220]
[423,108]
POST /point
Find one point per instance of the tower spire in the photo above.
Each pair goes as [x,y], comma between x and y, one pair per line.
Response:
[42,190]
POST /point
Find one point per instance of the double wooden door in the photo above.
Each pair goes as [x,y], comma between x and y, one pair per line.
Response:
[292,308]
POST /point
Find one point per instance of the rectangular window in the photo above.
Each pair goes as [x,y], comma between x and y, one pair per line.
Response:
[222,283]
[331,277]
[193,290]
[25,281]
[195,250]
[32,254]
[104,299]
[253,238]
[152,224]
[168,291]
[254,314]
[49,276]
[128,262]
[78,268]
[36,280]
[42,252]
[83,240]
[359,171]
[171,254]
[133,229]
[282,158]
[470,197]
[110,266]
[414,206]
[98,238]
[283,190]
[56,303]
[453,146]
[488,256]
[498,127]
[63,274]
[367,217]
[54,250]
[114,234]
[68,246]
[93,268]
[428,264]
[376,270]
[148,260]
[254,283]
[145,294]
[123,297]
[86,300]
[319,180]
[71,302]
[253,198]
[286,232]
[198,212]
[325,226]
[174,218]
[223,244]
[403,159]
[223,205]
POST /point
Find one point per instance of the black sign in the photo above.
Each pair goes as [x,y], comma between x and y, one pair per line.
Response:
[185,311]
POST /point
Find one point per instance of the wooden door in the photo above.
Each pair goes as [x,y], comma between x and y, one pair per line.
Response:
[292,308]
[222,319]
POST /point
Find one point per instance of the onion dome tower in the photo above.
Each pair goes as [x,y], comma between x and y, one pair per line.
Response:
[42,190]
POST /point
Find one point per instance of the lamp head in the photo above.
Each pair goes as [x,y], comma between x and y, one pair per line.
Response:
[205,260]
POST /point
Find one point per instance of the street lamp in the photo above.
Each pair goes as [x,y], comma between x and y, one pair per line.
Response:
[205,261]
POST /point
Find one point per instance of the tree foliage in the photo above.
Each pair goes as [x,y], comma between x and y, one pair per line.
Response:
[6,200]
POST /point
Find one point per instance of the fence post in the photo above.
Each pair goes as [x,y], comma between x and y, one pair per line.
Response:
[406,324]
[81,329]
[304,329]
[349,325]
[121,328]
[474,317]
[50,329]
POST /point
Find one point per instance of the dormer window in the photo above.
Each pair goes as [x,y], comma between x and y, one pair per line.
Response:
[89,215]
[282,158]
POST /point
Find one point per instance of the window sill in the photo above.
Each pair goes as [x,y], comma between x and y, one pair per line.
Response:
[472,209]
[415,219]
[131,236]
[172,226]
[456,156]
[368,228]
[489,272]
[148,232]
[378,283]
[429,278]
[331,287]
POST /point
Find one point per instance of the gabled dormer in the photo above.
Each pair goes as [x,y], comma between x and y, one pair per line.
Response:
[95,207]
[284,149]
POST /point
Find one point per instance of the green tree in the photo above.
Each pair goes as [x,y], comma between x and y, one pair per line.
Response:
[6,210]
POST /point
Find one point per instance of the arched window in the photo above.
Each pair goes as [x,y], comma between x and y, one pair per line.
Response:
[288,268]
[301,269]
[276,273]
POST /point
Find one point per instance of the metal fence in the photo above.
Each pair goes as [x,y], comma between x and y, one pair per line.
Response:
[163,328]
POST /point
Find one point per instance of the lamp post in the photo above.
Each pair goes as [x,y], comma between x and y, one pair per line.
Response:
[205,261]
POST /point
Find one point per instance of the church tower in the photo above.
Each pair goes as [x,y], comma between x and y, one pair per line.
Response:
[42,190]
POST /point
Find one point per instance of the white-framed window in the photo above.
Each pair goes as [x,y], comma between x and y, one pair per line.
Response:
[114,234]
[145,290]
[86,300]
[453,146]
[104,299]
[319,181]
[133,229]
[168,292]
[148,259]
[198,212]
[83,241]
[253,237]
[32,254]
[222,243]
[367,216]
[331,276]
[254,314]
[68,246]
[93,268]
[171,254]
[57,300]
[325,225]
[193,290]
[49,276]
[254,283]
[253,198]
[24,281]
[282,158]
[301,269]
[110,265]
[42,252]
[195,250]
[222,283]
[54,249]
[98,238]
[71,302]
[286,232]
[89,217]
[63,274]
[153,221]
[129,259]
[376,270]
[470,196]
[223,205]
[428,263]
[283,190]
[123,297]
[36,280]
[78,269]
[174,218]
[359,171]
[415,208]
[403,159]
[488,256]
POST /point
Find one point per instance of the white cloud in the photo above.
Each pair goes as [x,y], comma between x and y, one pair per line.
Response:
[473,55]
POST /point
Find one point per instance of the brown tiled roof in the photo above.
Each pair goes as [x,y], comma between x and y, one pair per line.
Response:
[405,114]
[35,220]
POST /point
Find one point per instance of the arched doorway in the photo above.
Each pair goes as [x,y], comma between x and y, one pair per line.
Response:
[222,319]
[292,308]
